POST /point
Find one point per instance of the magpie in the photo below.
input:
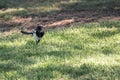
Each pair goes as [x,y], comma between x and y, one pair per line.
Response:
[38,33]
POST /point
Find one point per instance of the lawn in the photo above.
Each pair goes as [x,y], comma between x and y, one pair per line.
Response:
[80,51]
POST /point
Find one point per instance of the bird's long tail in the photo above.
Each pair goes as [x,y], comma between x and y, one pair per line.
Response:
[27,33]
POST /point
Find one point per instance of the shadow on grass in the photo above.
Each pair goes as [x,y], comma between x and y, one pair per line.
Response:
[6,67]
[85,71]
[84,5]
[65,5]
[92,5]
[108,30]
[105,34]
[24,3]
[107,50]
[110,24]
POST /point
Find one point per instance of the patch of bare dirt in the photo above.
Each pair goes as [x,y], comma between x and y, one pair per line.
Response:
[60,19]
[66,18]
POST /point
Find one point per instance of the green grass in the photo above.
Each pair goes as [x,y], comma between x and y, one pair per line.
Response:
[39,8]
[88,51]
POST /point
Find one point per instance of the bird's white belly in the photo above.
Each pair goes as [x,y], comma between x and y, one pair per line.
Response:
[35,36]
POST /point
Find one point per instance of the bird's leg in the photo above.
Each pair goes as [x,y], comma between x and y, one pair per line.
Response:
[37,41]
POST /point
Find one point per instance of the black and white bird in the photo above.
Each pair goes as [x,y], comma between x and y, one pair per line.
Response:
[38,33]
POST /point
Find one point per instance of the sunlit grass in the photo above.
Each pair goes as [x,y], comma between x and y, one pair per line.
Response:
[86,51]
[10,10]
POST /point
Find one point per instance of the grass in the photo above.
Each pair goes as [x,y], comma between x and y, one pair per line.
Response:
[88,51]
[40,8]
[82,52]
